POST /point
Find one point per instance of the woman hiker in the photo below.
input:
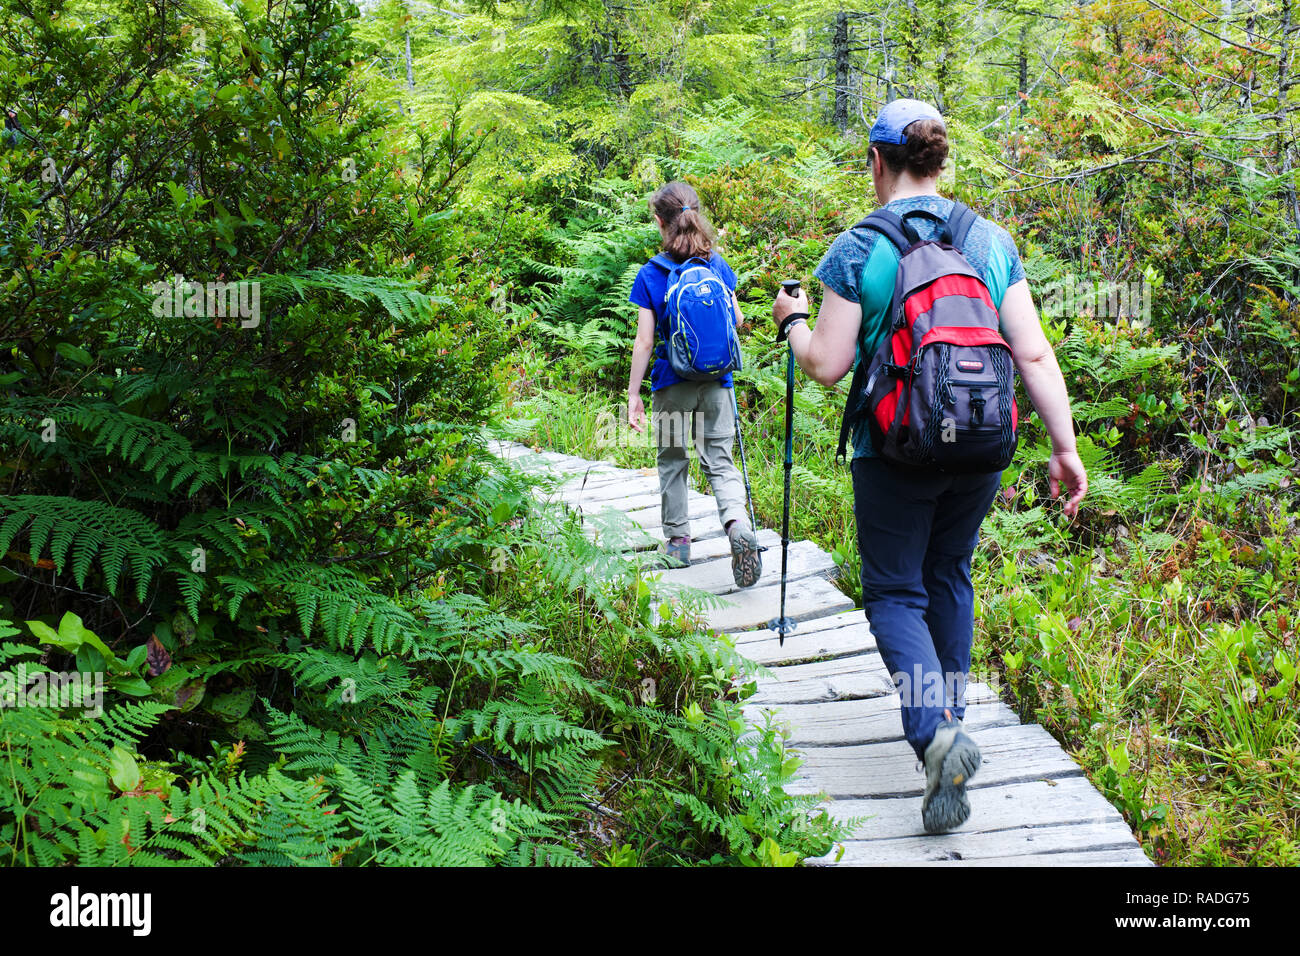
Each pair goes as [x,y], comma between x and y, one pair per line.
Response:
[916,532]
[686,233]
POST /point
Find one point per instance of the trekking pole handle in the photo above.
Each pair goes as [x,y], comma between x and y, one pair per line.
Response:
[791,287]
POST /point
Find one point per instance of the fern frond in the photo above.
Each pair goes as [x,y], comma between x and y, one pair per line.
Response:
[78,532]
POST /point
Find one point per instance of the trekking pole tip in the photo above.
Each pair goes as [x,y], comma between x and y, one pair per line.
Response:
[782,625]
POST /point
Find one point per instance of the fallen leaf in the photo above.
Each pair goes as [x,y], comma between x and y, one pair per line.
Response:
[157,656]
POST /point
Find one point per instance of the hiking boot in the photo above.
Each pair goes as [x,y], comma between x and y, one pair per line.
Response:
[746,565]
[951,759]
[679,549]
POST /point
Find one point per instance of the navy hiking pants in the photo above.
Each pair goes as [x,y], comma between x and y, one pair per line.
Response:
[916,534]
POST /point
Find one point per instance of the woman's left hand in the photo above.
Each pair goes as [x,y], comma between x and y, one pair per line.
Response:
[636,413]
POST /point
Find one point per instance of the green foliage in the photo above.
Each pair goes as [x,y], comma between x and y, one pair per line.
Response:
[82,531]
[311,593]
[1184,404]
[318,602]
[582,301]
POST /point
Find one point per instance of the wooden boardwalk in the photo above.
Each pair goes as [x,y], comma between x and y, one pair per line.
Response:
[1031,804]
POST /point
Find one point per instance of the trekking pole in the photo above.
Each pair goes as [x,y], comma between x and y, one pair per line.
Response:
[782,625]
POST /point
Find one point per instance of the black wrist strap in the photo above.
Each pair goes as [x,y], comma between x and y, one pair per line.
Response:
[788,323]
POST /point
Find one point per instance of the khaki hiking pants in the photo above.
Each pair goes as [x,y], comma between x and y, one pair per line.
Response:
[701,409]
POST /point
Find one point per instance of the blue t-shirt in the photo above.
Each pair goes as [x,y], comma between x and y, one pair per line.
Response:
[861,266]
[648,291]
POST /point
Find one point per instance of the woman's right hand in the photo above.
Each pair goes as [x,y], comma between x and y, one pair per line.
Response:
[636,412]
[1066,468]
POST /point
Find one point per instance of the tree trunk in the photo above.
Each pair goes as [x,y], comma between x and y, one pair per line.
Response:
[886,48]
[840,52]
[410,72]
[946,56]
[912,44]
[1023,64]
[1284,145]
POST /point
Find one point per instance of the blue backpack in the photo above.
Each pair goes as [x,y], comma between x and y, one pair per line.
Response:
[700,340]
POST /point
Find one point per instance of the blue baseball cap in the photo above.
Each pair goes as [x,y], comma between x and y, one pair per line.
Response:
[896,116]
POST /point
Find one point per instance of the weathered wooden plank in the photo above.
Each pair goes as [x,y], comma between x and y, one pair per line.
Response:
[836,667]
[700,506]
[825,623]
[614,531]
[876,719]
[1031,803]
[634,505]
[601,471]
[604,483]
[805,559]
[559,470]
[700,531]
[845,678]
[569,468]
[623,499]
[673,578]
[1015,843]
[574,492]
[510,450]
[822,645]
[547,460]
[898,775]
[889,769]
[1133,857]
[857,686]
[637,490]
[805,598]
[587,503]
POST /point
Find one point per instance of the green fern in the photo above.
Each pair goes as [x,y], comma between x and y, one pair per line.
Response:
[445,826]
[1114,361]
[398,297]
[60,802]
[78,532]
[344,608]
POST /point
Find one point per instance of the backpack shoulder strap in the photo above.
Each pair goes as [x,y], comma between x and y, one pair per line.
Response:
[893,227]
[903,235]
[959,224]
[672,267]
[851,413]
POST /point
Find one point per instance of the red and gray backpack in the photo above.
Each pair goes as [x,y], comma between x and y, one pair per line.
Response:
[939,392]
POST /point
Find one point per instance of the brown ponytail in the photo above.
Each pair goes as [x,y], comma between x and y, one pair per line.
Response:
[686,232]
[923,154]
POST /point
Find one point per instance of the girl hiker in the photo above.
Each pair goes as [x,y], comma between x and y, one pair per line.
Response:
[918,529]
[706,404]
